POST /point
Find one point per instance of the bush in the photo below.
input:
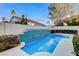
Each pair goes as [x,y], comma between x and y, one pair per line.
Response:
[76,44]
[8,41]
[23,23]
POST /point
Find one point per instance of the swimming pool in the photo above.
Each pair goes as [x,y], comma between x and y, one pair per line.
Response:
[46,43]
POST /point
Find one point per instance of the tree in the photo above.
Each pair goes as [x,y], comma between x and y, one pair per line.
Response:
[3,19]
[58,10]
[13,12]
[24,20]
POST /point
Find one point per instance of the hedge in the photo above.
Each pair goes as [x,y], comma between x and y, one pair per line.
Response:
[76,44]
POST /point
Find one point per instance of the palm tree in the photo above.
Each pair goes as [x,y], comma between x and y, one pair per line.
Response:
[13,12]
[23,18]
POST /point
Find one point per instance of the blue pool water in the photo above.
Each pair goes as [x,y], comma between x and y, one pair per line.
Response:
[46,43]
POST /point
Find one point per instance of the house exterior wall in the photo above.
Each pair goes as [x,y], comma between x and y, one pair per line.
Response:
[33,24]
[30,23]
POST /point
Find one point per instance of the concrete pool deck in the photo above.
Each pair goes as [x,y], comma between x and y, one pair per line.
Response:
[64,47]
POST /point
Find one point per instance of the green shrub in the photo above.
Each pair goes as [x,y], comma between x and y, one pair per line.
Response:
[76,44]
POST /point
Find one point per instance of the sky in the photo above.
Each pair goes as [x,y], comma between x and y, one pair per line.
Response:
[33,11]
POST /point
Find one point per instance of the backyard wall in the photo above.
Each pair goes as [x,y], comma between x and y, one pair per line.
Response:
[11,29]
